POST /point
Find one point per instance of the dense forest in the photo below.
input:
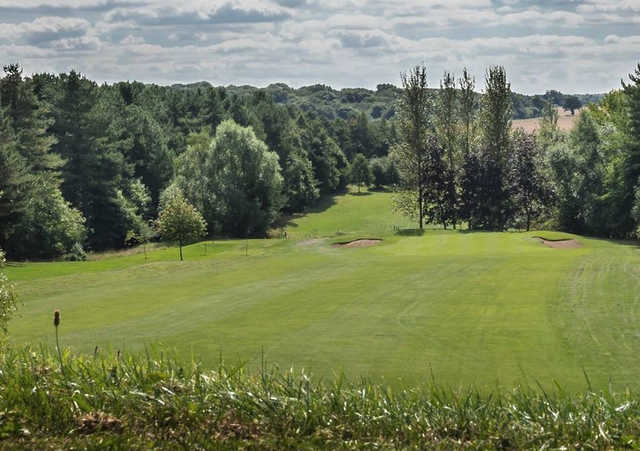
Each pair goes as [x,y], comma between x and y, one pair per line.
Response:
[85,166]
[380,103]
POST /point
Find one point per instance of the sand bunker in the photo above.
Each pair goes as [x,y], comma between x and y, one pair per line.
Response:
[566,243]
[360,243]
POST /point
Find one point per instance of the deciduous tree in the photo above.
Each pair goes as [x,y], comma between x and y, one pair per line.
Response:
[532,189]
[468,109]
[360,171]
[179,221]
[233,179]
[572,103]
[411,154]
[447,131]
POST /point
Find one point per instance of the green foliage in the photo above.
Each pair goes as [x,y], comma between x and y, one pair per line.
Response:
[14,181]
[488,200]
[51,227]
[284,137]
[76,254]
[7,298]
[447,166]
[233,179]
[96,172]
[37,222]
[447,118]
[467,109]
[549,132]
[596,168]
[360,171]
[117,401]
[347,104]
[110,151]
[531,185]
[579,171]
[300,185]
[144,146]
[331,167]
[572,103]
[411,154]
[384,172]
[496,114]
[180,222]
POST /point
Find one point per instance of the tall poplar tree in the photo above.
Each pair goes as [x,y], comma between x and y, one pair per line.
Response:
[495,200]
[468,107]
[410,153]
[447,130]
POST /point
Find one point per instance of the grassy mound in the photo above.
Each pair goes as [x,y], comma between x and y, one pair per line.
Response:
[128,402]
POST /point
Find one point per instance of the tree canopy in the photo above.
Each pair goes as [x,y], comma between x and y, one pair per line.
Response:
[233,178]
[179,221]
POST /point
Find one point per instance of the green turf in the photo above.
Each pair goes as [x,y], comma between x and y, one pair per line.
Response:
[480,308]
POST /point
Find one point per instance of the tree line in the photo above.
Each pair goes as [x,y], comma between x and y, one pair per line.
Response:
[380,103]
[85,166]
[460,160]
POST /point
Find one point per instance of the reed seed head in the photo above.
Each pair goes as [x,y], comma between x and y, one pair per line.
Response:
[56,318]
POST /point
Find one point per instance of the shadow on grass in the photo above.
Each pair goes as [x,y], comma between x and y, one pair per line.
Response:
[410,232]
[323,204]
[381,189]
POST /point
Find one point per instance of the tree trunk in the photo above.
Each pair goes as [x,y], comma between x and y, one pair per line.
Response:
[180,245]
[420,203]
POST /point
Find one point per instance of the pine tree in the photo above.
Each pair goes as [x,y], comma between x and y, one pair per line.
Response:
[15,183]
[37,222]
[632,146]
[95,168]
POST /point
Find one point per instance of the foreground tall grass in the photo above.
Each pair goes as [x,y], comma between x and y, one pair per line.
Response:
[125,401]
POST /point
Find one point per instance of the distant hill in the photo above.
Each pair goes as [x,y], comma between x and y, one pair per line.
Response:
[380,103]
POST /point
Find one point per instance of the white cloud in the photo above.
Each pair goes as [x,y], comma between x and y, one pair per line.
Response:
[45,29]
[567,45]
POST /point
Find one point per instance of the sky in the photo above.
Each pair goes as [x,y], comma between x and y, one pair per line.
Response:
[575,46]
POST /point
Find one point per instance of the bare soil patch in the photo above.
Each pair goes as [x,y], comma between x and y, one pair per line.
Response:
[567,243]
[365,242]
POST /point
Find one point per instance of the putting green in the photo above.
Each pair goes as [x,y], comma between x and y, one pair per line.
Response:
[481,308]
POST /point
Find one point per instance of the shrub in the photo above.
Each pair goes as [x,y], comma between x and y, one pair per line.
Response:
[76,254]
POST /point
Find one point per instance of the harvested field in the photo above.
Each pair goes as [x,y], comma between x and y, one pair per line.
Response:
[566,122]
